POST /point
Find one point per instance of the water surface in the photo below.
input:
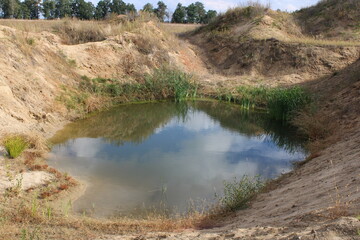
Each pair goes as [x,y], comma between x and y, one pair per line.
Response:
[152,155]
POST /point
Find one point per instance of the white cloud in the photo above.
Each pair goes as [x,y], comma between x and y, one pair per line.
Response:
[220,5]
[291,7]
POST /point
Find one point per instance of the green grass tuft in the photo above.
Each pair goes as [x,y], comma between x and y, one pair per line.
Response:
[15,145]
[30,41]
[238,193]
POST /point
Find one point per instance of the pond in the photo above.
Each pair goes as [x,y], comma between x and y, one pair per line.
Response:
[169,155]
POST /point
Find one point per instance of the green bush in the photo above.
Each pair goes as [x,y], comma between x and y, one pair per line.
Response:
[238,193]
[15,145]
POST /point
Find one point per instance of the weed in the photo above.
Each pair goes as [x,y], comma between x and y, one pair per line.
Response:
[34,206]
[15,145]
[48,212]
[73,99]
[30,235]
[15,189]
[238,193]
[67,208]
[30,41]
[72,63]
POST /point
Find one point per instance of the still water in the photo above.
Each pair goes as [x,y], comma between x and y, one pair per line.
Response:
[151,155]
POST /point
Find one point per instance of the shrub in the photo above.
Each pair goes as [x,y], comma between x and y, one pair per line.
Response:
[15,145]
[238,193]
[30,41]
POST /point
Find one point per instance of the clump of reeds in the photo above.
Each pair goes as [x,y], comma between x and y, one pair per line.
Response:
[281,103]
[163,83]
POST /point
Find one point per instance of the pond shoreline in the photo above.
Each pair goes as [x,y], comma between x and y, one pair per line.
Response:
[170,124]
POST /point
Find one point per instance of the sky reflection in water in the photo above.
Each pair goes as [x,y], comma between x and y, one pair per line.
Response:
[136,156]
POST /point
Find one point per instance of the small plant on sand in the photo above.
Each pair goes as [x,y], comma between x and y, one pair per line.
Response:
[30,41]
[30,235]
[72,63]
[238,193]
[15,145]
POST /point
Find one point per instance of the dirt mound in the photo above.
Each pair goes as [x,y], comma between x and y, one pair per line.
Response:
[338,19]
[266,43]
[38,67]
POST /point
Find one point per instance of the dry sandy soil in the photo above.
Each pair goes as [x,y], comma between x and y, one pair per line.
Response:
[318,200]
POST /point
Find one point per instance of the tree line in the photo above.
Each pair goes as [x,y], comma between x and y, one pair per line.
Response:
[81,9]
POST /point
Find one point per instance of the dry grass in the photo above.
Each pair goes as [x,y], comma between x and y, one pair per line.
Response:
[331,19]
[316,125]
[319,128]
[33,212]
[178,28]
[323,42]
[74,31]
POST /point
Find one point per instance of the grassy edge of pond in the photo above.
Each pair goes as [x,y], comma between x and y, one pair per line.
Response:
[171,84]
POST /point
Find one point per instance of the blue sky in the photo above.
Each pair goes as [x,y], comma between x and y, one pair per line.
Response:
[223,5]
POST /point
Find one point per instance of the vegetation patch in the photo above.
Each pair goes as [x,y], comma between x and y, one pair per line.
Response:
[233,16]
[281,103]
[94,94]
[238,193]
[15,145]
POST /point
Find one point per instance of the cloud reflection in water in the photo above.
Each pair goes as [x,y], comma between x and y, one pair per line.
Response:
[187,150]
